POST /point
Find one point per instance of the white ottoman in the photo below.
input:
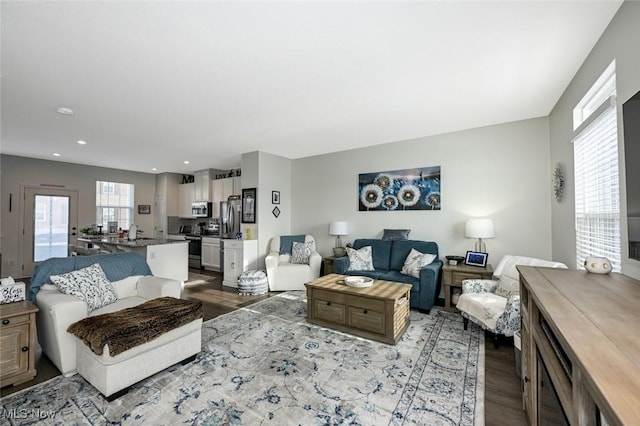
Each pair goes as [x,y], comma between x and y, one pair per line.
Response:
[112,376]
[252,283]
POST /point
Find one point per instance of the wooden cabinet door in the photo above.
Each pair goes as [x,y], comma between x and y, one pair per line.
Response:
[13,360]
[186,197]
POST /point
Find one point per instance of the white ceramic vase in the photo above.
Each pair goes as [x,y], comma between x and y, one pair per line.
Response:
[597,265]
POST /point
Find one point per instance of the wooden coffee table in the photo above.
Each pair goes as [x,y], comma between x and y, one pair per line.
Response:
[379,312]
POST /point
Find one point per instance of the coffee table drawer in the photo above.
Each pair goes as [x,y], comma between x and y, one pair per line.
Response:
[366,319]
[330,311]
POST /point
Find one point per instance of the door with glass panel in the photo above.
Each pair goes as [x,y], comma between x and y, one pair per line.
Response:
[50,221]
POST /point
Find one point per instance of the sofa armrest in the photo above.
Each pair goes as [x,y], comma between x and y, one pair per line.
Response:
[271,260]
[479,286]
[315,262]
[341,265]
[150,287]
[57,312]
[429,284]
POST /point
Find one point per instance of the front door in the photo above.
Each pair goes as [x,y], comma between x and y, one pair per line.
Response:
[50,218]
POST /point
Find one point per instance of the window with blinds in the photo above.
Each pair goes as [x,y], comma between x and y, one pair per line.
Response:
[114,202]
[597,193]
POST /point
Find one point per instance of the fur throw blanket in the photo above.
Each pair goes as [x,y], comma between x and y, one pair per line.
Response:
[130,327]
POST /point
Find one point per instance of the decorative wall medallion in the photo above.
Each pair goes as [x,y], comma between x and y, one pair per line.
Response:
[558,182]
[276,211]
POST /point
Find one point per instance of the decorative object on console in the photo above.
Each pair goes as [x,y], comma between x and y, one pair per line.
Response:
[454,260]
[479,228]
[474,258]
[11,291]
[597,265]
[395,234]
[357,281]
[558,182]
[339,228]
[411,189]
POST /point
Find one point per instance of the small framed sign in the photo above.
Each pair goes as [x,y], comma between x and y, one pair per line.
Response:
[476,259]
[144,209]
[275,197]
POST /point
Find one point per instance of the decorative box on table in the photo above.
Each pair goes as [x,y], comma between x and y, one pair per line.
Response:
[11,291]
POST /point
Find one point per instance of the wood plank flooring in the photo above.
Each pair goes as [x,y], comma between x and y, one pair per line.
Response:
[503,400]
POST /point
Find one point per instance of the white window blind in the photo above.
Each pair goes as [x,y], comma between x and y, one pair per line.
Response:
[597,194]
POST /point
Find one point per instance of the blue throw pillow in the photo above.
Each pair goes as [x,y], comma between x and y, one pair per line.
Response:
[286,242]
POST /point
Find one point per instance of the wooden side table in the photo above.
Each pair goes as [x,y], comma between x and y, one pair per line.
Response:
[18,341]
[327,265]
[452,277]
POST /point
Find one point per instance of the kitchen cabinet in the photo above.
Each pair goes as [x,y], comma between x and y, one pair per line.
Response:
[202,180]
[211,253]
[186,197]
[239,256]
[221,189]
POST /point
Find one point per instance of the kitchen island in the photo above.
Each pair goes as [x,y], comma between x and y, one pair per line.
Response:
[166,258]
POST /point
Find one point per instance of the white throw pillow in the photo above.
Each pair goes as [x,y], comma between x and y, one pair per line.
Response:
[360,260]
[507,286]
[301,252]
[89,284]
[416,261]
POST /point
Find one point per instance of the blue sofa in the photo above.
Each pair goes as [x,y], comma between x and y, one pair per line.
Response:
[388,258]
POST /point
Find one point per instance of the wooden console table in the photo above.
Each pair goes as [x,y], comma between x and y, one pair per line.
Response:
[582,329]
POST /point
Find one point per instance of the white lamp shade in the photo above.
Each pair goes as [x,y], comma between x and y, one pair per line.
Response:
[479,228]
[339,228]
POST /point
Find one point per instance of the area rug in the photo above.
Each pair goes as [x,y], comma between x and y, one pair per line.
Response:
[265,365]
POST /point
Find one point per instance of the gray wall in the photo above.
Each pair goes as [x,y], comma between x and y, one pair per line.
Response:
[619,42]
[20,171]
[498,171]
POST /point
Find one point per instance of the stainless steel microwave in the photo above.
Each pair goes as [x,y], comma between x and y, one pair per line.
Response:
[201,209]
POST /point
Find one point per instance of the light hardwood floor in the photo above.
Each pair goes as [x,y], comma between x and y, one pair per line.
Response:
[503,399]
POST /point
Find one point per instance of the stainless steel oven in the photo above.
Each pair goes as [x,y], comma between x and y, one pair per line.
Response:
[195,250]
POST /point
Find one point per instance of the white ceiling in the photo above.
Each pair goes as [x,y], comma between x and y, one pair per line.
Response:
[155,83]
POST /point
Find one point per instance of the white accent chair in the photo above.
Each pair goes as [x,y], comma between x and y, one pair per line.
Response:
[495,304]
[284,275]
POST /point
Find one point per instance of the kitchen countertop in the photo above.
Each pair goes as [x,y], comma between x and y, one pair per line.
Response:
[141,242]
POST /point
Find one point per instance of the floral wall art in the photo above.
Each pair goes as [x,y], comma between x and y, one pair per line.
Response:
[411,189]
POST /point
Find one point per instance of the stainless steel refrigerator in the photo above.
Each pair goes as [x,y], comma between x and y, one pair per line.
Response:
[230,211]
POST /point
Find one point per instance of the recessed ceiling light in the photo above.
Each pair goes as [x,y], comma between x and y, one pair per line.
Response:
[186,161]
[154,169]
[82,142]
[55,154]
[65,111]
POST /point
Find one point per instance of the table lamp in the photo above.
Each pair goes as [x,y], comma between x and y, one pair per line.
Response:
[339,228]
[479,228]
